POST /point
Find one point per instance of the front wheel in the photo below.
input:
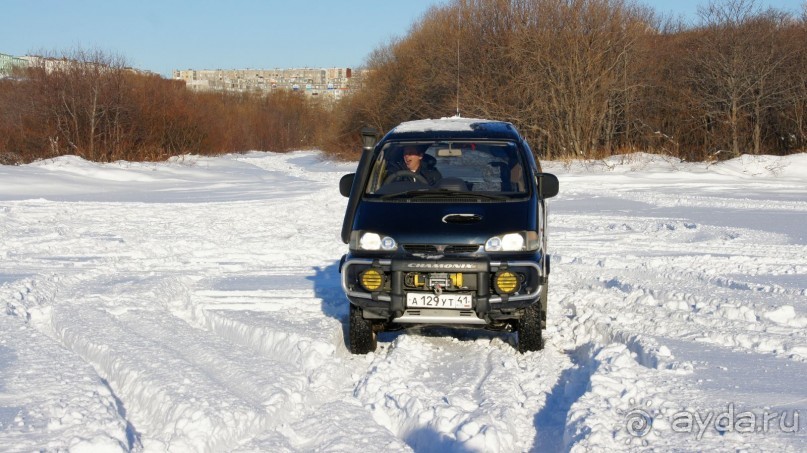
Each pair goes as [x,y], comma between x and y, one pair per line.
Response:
[362,338]
[529,330]
[544,302]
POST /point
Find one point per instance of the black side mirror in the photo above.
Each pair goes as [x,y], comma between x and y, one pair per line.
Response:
[346,183]
[548,185]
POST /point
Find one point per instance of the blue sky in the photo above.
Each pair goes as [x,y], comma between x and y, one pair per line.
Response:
[163,35]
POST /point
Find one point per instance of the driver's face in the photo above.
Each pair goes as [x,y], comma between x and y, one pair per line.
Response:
[412,158]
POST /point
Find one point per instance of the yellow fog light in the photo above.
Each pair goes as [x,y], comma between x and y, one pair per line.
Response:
[505,282]
[371,279]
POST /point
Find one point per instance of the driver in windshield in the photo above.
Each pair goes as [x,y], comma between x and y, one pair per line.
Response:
[417,162]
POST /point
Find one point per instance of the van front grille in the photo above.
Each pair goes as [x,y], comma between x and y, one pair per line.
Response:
[447,249]
[462,248]
[420,248]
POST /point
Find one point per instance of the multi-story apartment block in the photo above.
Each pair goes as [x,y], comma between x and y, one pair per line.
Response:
[325,83]
[9,62]
[330,83]
[50,64]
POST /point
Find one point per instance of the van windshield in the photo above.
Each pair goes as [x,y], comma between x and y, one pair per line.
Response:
[489,170]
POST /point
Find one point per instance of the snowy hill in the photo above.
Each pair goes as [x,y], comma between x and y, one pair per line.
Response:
[194,305]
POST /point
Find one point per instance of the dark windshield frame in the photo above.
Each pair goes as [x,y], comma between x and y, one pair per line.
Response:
[494,170]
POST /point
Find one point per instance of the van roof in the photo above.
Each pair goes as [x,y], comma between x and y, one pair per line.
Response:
[455,128]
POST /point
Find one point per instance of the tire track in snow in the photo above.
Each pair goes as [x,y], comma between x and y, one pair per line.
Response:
[251,376]
[193,394]
[288,326]
[67,408]
[175,405]
[697,261]
[441,393]
[635,306]
[654,280]
[272,385]
[166,246]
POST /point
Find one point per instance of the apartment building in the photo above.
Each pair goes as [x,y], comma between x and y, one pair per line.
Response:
[328,83]
[9,62]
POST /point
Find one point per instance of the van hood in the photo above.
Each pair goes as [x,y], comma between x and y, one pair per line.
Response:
[444,223]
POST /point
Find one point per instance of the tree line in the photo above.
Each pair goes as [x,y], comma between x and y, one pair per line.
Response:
[89,104]
[579,78]
[590,78]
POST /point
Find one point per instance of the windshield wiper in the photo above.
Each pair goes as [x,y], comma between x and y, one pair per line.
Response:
[405,194]
[442,193]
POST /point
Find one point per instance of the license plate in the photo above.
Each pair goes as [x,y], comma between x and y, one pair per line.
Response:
[429,300]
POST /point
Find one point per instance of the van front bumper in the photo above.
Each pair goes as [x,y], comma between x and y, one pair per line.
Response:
[389,302]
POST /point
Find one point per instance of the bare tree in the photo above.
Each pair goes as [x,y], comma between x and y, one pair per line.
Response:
[593,77]
[576,62]
[736,70]
[794,133]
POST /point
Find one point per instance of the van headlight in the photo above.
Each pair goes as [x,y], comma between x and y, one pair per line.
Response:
[513,242]
[365,240]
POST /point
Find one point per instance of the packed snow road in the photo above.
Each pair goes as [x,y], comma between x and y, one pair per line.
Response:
[195,305]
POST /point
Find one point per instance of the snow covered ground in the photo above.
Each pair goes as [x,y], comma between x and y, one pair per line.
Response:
[195,305]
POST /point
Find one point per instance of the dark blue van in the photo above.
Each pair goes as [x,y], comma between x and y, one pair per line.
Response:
[446,225]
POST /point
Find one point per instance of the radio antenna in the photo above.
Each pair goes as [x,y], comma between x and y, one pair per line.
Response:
[459,29]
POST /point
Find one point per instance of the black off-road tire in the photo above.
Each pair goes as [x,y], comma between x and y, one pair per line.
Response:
[544,302]
[530,337]
[362,337]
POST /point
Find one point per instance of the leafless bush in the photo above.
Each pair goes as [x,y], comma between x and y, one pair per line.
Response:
[89,104]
